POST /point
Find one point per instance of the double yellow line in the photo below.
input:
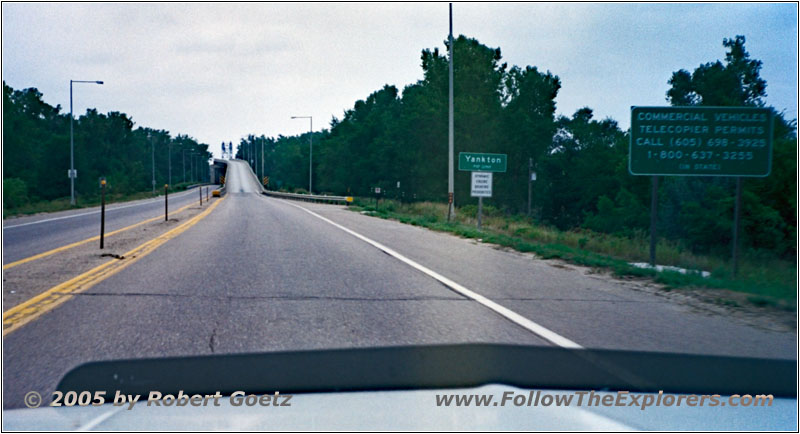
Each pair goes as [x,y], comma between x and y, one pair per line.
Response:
[31,309]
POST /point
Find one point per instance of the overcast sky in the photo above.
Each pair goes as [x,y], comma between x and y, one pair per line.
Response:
[221,71]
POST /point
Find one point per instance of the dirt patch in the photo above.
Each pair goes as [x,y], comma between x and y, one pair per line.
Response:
[25,281]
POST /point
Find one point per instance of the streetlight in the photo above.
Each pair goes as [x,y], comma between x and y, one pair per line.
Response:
[310,147]
[169,162]
[72,173]
[152,161]
[183,160]
[450,133]
[262,160]
[191,165]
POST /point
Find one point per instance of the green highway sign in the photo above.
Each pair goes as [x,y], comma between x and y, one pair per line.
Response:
[477,162]
[701,141]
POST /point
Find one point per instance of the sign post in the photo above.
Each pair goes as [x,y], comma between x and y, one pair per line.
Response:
[700,141]
[737,210]
[481,187]
[653,219]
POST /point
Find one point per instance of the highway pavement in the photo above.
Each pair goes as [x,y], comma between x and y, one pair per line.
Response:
[27,236]
[264,274]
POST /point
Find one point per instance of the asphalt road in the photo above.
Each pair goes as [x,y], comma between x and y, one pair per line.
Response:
[262,274]
[27,236]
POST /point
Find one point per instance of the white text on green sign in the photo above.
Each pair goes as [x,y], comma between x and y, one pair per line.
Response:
[701,141]
[482,162]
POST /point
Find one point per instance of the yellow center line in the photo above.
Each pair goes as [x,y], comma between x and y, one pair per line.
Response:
[31,309]
[94,238]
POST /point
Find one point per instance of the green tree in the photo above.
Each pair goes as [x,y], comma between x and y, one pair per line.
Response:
[737,82]
[770,206]
[36,149]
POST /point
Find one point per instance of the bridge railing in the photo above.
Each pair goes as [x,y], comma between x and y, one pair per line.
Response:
[309,197]
[346,200]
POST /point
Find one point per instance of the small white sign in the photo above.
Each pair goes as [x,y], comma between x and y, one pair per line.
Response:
[377,190]
[533,176]
[72,173]
[481,184]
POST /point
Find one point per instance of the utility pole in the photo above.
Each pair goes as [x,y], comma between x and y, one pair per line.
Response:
[530,183]
[450,182]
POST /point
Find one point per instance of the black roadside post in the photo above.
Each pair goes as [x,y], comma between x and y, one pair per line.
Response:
[102,210]
[166,202]
[207,197]
[737,210]
[653,220]
[200,190]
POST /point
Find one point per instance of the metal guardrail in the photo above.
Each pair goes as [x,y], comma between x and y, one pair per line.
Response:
[309,197]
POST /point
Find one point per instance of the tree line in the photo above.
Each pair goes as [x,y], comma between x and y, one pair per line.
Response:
[36,152]
[398,141]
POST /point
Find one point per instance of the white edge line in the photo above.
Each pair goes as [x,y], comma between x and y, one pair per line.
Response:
[91,212]
[509,314]
[98,420]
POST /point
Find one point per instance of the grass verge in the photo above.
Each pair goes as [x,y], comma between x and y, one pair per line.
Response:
[767,281]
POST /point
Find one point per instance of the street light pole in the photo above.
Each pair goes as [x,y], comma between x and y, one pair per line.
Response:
[183,160]
[153,162]
[169,163]
[72,174]
[450,181]
[262,159]
[310,147]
